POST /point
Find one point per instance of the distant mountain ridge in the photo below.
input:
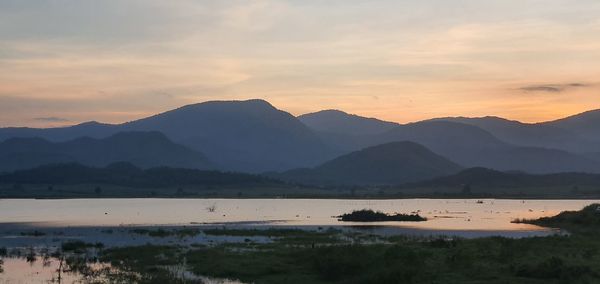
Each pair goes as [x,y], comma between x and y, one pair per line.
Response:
[336,121]
[470,143]
[483,178]
[127,174]
[253,136]
[548,135]
[391,163]
[586,124]
[144,149]
[250,136]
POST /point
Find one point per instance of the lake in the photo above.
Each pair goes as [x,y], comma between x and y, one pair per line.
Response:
[442,214]
[28,225]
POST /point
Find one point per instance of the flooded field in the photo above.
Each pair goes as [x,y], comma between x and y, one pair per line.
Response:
[37,236]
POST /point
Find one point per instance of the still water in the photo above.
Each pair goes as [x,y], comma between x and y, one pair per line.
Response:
[442,214]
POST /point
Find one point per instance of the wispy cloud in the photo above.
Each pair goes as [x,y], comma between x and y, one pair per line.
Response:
[427,58]
[552,88]
[51,119]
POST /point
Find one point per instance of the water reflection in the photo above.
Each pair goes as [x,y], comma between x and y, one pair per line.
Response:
[30,267]
[51,268]
[443,214]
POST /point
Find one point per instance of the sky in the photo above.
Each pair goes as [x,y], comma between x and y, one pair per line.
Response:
[68,61]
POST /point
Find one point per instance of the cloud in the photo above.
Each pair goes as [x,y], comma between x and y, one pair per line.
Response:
[552,88]
[51,119]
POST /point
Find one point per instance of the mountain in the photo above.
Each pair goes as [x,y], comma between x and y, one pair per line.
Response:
[586,125]
[250,136]
[472,146]
[483,178]
[594,156]
[144,149]
[543,135]
[339,122]
[254,136]
[91,129]
[485,142]
[459,142]
[391,163]
[126,174]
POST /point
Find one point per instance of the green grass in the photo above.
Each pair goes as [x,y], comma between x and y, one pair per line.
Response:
[557,259]
[387,192]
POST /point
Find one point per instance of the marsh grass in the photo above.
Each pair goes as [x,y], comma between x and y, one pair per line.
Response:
[335,257]
[35,233]
[163,233]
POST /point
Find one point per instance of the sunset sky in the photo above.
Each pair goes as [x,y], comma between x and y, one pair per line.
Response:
[65,62]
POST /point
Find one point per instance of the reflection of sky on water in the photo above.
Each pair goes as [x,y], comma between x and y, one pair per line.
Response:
[443,214]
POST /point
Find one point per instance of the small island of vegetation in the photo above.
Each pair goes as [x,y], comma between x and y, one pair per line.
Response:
[367,215]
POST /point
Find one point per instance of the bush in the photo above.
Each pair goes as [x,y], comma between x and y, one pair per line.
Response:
[553,268]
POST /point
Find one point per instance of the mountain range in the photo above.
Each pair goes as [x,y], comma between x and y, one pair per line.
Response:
[386,164]
[127,174]
[143,149]
[253,136]
[247,136]
[482,178]
[471,146]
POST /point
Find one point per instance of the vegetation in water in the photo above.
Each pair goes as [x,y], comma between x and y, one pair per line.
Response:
[587,219]
[79,246]
[335,256]
[556,259]
[367,215]
[163,233]
[35,233]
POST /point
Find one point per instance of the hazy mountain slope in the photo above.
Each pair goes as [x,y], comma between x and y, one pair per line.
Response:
[459,142]
[593,156]
[482,178]
[254,136]
[391,163]
[339,122]
[126,174]
[534,135]
[474,147]
[89,129]
[585,124]
[144,149]
[248,136]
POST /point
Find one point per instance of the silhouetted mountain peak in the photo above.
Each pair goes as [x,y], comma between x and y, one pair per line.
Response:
[245,105]
[390,163]
[336,121]
[91,123]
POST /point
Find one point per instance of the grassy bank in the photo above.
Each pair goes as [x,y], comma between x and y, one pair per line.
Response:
[50,191]
[557,259]
[334,257]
